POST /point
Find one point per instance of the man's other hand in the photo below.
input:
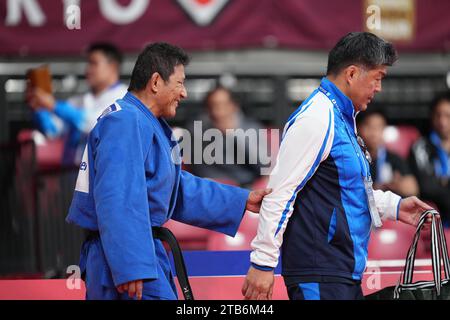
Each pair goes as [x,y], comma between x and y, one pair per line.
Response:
[411,210]
[258,285]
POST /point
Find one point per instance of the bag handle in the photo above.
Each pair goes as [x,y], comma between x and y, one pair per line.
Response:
[438,250]
[443,242]
[439,242]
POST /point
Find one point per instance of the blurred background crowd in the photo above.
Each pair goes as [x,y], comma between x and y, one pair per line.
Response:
[253,63]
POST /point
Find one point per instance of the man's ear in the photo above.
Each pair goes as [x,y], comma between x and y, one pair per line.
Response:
[351,73]
[154,82]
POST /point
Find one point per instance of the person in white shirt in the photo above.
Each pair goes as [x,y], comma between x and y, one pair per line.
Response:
[74,118]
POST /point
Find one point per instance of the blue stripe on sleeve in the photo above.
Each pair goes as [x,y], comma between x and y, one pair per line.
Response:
[308,176]
[398,207]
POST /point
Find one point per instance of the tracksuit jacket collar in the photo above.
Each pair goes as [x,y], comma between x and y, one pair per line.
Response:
[343,102]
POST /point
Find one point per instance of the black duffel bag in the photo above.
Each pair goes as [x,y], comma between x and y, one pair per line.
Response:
[438,289]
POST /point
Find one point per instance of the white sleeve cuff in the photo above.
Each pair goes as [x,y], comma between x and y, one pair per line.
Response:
[263,259]
[388,204]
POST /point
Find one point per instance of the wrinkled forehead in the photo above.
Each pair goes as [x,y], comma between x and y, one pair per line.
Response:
[378,71]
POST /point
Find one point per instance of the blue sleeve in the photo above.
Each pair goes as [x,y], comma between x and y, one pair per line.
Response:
[75,116]
[44,122]
[120,196]
[210,205]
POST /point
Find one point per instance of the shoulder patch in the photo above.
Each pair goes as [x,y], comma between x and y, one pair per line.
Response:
[82,184]
[112,108]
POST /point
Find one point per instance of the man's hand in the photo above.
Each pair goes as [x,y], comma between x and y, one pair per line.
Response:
[133,288]
[255,198]
[38,98]
[258,285]
[411,209]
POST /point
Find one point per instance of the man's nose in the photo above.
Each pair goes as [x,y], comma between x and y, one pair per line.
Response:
[378,88]
[184,93]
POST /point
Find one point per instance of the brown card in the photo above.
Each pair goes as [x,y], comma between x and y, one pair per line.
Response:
[40,78]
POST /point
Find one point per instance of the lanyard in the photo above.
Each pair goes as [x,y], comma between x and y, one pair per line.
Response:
[333,100]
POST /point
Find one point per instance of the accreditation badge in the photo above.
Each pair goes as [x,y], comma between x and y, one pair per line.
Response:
[376,219]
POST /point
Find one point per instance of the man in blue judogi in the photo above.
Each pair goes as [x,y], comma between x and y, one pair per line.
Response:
[130,180]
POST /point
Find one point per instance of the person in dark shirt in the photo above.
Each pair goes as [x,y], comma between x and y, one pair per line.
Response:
[388,170]
[430,157]
[224,113]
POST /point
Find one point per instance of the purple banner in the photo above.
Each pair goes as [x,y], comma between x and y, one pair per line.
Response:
[61,27]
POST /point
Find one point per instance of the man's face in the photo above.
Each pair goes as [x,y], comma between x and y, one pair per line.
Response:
[441,119]
[170,93]
[220,105]
[371,130]
[365,84]
[100,70]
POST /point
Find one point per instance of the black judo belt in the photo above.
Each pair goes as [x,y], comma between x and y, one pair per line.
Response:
[167,236]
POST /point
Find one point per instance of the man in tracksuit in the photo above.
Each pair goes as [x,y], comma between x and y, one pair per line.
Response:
[319,213]
[130,180]
[73,119]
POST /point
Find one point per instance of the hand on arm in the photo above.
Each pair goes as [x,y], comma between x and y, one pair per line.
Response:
[255,198]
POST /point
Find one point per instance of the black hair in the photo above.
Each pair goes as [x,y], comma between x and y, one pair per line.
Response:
[158,57]
[231,94]
[365,115]
[438,98]
[360,48]
[109,50]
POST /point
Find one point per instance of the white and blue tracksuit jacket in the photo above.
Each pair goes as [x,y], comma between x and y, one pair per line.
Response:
[130,180]
[318,211]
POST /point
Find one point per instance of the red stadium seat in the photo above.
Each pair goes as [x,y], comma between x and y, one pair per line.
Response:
[399,139]
[189,237]
[48,151]
[221,242]
[241,241]
[249,222]
[392,242]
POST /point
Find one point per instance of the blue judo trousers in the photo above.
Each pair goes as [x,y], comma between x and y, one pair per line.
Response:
[130,179]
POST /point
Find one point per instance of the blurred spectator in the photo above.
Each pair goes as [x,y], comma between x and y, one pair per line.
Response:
[74,118]
[388,170]
[430,157]
[224,113]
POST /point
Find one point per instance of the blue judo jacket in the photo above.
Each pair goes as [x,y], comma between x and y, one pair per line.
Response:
[130,179]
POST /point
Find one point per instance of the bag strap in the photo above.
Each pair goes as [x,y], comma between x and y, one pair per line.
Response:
[410,258]
[439,253]
[445,255]
[436,256]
